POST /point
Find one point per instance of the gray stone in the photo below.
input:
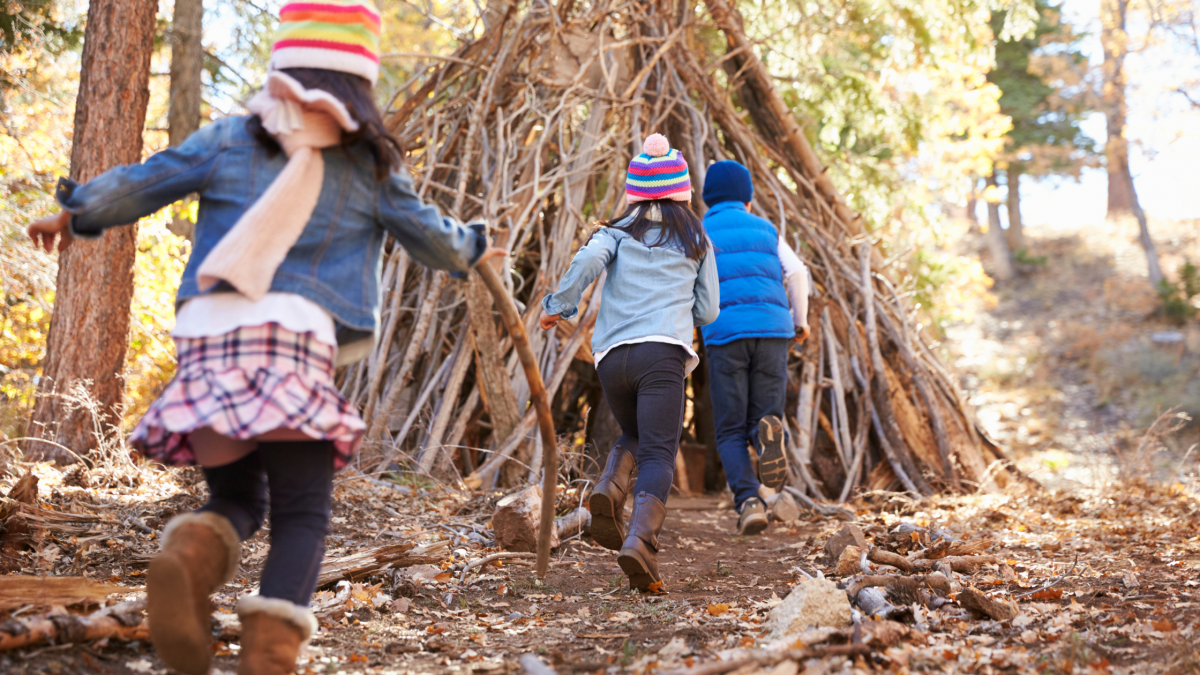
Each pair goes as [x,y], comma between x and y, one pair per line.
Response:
[812,603]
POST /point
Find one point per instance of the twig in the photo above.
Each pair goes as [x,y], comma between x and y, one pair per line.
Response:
[1053,583]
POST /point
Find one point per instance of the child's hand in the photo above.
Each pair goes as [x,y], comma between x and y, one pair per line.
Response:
[803,335]
[491,252]
[44,231]
[548,321]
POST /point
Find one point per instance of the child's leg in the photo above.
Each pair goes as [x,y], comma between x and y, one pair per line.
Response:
[729,383]
[200,554]
[768,393]
[277,622]
[607,502]
[656,370]
[767,389]
[300,475]
[238,491]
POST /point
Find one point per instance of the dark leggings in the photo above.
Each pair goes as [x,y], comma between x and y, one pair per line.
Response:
[298,477]
[643,384]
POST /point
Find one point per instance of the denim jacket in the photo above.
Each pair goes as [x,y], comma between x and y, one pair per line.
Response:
[336,263]
[649,291]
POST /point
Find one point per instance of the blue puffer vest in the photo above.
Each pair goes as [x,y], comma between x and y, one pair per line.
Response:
[754,303]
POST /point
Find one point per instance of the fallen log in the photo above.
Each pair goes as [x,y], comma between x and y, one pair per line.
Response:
[22,591]
[359,565]
[122,621]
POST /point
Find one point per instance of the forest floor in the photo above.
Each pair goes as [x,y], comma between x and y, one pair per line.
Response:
[1103,564]
[1126,560]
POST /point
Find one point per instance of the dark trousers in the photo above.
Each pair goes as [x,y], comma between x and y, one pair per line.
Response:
[643,384]
[748,381]
[295,478]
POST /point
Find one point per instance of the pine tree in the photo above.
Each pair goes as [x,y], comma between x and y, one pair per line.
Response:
[1040,79]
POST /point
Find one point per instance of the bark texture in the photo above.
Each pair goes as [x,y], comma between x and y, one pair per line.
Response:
[89,331]
[187,60]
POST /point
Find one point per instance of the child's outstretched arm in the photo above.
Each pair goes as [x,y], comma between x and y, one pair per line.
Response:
[585,267]
[707,292]
[434,240]
[796,281]
[121,195]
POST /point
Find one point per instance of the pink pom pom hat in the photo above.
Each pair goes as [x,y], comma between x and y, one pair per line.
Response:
[660,172]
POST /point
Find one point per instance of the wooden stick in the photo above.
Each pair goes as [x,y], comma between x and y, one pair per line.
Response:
[537,395]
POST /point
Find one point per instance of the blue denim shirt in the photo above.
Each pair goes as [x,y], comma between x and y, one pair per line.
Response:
[337,261]
[649,291]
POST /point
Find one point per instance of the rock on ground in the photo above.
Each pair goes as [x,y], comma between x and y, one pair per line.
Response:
[813,602]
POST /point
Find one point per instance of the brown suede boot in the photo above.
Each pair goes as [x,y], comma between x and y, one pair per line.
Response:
[199,555]
[639,555]
[273,631]
[607,502]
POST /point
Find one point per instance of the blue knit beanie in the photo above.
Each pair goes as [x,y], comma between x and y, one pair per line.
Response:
[727,181]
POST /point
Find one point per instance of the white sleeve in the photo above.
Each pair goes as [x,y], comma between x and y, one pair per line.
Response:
[796,281]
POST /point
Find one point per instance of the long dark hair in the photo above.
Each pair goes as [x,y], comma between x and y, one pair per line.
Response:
[356,93]
[680,227]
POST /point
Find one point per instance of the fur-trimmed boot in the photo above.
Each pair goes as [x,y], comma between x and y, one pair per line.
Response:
[607,502]
[273,632]
[639,555]
[199,554]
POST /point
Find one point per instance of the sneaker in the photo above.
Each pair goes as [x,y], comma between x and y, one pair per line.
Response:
[772,461]
[752,518]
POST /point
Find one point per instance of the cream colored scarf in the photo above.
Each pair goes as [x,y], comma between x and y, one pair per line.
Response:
[303,121]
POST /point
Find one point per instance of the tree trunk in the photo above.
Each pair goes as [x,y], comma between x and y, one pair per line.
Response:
[1002,268]
[1113,40]
[1153,271]
[972,203]
[89,330]
[187,60]
[1016,227]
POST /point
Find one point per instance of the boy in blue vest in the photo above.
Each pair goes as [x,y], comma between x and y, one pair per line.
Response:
[747,346]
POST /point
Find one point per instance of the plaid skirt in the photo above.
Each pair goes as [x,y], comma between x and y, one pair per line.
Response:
[245,383]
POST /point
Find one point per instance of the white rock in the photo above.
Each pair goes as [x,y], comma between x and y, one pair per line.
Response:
[812,603]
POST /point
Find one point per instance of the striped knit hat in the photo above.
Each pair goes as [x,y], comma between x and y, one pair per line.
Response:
[341,35]
[660,172]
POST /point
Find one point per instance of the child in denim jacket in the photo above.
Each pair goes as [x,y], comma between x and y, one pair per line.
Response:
[295,202]
[661,284]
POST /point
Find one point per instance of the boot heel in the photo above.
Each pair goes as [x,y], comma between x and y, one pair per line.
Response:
[606,531]
[635,569]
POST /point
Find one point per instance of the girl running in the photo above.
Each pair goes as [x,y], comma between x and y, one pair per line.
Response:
[661,284]
[282,284]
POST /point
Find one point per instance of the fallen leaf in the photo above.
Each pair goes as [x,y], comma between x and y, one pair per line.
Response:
[1048,594]
[717,608]
[1165,625]
[621,617]
[444,576]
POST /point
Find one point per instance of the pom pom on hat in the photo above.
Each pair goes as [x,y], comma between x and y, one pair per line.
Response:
[656,145]
[658,173]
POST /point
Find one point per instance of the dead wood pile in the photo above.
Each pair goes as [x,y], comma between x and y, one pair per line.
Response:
[529,128]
